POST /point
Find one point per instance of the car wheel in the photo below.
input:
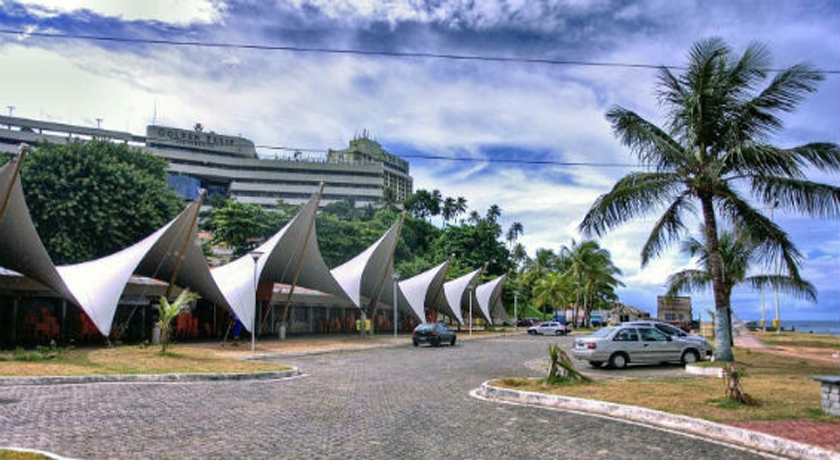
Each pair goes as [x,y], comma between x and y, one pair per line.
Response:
[596,364]
[690,356]
[416,343]
[558,332]
[436,342]
[618,361]
[532,332]
[452,342]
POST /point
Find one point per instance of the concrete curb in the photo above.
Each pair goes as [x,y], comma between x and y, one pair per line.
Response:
[706,371]
[147,378]
[705,429]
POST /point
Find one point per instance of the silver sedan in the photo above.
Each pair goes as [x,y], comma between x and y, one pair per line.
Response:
[622,345]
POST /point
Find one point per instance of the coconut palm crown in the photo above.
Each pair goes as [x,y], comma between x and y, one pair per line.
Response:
[715,152]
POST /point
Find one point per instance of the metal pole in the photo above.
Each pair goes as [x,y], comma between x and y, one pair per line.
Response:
[256,256]
[396,278]
[471,316]
[515,314]
[777,323]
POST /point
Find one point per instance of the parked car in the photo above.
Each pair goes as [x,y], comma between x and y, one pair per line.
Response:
[526,322]
[549,328]
[703,345]
[621,345]
[433,334]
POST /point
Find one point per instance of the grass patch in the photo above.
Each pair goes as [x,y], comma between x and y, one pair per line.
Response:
[781,385]
[133,360]
[799,339]
[17,455]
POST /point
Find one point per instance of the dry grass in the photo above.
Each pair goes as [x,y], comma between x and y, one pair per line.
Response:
[781,385]
[16,455]
[133,360]
[799,339]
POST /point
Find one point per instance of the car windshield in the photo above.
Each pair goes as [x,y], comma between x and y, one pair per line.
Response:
[603,332]
[425,327]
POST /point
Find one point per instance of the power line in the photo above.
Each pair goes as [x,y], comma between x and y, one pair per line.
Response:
[476,160]
[351,51]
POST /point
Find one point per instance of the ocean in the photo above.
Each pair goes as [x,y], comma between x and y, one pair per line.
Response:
[817,327]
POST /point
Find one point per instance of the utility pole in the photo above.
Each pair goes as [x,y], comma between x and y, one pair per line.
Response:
[515,314]
[396,286]
[256,256]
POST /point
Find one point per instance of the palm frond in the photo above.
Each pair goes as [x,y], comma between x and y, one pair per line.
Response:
[770,241]
[668,229]
[812,198]
[794,287]
[760,159]
[822,155]
[652,145]
[688,281]
[634,195]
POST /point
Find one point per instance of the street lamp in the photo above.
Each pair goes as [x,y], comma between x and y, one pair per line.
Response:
[515,314]
[396,279]
[256,256]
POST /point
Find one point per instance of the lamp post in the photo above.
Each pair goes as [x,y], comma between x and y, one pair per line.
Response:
[515,314]
[256,256]
[777,322]
[396,278]
[471,316]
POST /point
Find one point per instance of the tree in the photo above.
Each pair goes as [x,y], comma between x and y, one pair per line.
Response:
[242,226]
[449,209]
[552,290]
[738,253]
[423,204]
[714,148]
[389,199]
[91,199]
[591,270]
[493,213]
[460,206]
[514,232]
[169,311]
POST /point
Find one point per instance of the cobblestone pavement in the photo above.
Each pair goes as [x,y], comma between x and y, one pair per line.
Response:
[388,403]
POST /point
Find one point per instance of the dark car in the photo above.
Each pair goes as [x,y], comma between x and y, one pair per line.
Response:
[433,334]
[526,322]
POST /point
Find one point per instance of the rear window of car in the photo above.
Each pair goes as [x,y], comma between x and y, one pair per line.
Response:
[425,327]
[603,332]
[626,335]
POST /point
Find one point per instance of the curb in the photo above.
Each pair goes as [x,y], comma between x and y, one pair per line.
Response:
[705,429]
[705,371]
[147,378]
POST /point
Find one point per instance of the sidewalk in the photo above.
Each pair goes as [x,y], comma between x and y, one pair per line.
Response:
[743,338]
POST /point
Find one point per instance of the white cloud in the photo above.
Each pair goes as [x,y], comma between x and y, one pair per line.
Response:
[181,12]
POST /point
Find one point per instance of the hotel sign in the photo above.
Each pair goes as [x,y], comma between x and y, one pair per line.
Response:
[198,140]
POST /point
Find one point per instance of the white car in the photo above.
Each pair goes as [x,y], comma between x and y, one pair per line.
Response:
[549,328]
[703,345]
[621,345]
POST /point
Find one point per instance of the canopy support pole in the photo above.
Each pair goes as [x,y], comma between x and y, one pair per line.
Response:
[374,301]
[18,165]
[183,250]
[299,266]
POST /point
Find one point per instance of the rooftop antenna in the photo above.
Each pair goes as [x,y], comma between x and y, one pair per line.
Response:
[154,114]
[99,123]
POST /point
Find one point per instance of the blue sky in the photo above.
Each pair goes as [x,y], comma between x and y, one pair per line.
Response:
[474,110]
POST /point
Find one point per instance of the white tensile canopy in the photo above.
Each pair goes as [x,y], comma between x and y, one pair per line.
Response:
[293,249]
[369,273]
[424,289]
[457,292]
[489,298]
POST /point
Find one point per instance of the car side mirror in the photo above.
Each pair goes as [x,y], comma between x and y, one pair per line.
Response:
[668,338]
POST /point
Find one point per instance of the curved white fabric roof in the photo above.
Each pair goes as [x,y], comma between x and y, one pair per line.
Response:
[488,295]
[456,294]
[280,257]
[21,249]
[422,289]
[370,271]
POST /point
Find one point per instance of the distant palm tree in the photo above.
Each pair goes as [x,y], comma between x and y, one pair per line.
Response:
[519,254]
[475,217]
[737,252]
[589,267]
[514,232]
[714,148]
[448,210]
[460,206]
[552,291]
[493,213]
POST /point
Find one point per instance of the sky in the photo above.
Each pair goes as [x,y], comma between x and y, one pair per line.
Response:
[474,110]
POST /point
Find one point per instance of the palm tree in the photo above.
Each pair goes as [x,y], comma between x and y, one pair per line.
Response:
[514,232]
[591,270]
[475,217]
[448,210]
[714,148]
[460,206]
[493,213]
[737,253]
[519,254]
[552,290]
[169,311]
[389,199]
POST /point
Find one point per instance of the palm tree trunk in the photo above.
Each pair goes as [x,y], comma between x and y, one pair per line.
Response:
[723,334]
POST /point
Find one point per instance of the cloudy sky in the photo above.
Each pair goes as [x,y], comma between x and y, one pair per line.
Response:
[481,111]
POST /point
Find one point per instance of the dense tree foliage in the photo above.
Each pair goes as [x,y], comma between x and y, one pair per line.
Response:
[715,147]
[90,199]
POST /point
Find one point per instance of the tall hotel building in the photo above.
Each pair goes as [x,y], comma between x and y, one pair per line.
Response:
[224,164]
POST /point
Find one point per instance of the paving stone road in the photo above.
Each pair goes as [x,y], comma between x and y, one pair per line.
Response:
[386,403]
